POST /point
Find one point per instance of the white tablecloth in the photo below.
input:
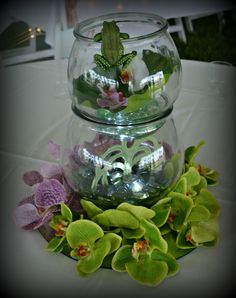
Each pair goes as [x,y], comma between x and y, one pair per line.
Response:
[35,108]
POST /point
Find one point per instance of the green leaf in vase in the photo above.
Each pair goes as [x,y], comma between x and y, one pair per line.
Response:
[156,62]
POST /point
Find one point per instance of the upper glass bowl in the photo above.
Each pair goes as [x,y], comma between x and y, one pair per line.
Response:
[123,69]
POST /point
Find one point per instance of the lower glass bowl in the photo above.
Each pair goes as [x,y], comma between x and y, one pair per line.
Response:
[110,164]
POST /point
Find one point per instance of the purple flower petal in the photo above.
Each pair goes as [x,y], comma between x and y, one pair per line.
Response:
[32,177]
[28,200]
[49,193]
[52,171]
[103,103]
[25,214]
[54,149]
[40,222]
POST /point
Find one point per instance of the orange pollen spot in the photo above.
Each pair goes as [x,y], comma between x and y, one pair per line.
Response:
[188,237]
[60,229]
[201,170]
[125,76]
[82,251]
[141,246]
[171,218]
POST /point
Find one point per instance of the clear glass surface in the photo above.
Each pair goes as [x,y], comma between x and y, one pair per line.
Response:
[124,79]
[110,164]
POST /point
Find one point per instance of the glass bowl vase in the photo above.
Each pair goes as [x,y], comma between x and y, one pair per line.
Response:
[112,164]
[123,68]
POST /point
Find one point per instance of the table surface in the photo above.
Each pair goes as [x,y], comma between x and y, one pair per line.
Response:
[35,108]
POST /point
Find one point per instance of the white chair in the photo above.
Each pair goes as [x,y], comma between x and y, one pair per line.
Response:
[189,20]
[22,58]
[63,42]
[178,27]
[24,54]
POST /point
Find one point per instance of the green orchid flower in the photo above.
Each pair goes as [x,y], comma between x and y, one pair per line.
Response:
[172,210]
[210,175]
[60,223]
[147,260]
[90,245]
[201,227]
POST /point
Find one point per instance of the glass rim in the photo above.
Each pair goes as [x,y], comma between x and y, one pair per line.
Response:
[146,17]
[100,122]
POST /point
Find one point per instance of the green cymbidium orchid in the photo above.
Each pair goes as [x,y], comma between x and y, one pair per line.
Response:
[147,260]
[210,175]
[201,226]
[144,242]
[60,223]
[90,245]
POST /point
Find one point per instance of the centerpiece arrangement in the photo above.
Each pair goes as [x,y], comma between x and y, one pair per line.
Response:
[124,194]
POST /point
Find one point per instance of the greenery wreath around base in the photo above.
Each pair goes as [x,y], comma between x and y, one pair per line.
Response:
[144,242]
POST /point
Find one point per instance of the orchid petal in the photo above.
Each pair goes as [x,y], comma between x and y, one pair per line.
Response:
[52,171]
[32,177]
[49,193]
[54,150]
[25,215]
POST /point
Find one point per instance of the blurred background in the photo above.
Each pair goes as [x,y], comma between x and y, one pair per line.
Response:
[202,30]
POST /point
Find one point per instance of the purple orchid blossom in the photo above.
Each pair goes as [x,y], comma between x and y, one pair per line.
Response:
[112,99]
[38,209]
[49,189]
